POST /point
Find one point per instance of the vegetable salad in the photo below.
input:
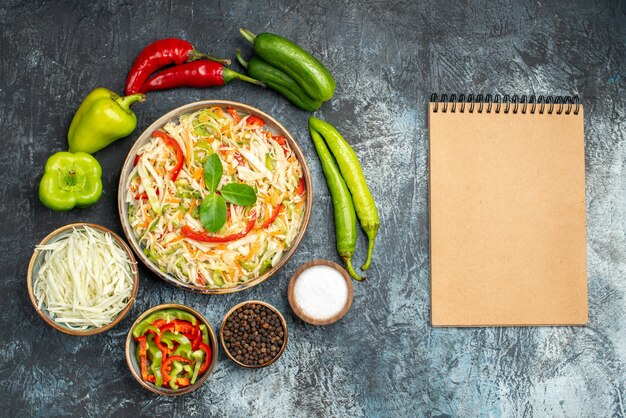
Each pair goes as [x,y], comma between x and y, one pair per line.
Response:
[167,188]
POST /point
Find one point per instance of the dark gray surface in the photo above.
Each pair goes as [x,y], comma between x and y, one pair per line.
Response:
[383,358]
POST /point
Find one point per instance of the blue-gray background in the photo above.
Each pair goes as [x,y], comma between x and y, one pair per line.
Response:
[383,358]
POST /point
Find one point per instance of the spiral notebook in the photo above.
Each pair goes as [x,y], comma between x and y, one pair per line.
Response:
[507,211]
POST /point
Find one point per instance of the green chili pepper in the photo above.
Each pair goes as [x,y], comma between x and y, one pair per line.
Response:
[304,68]
[279,81]
[70,180]
[102,118]
[345,217]
[352,173]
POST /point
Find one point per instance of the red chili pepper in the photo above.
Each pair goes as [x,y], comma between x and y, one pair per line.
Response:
[143,349]
[159,54]
[207,358]
[253,120]
[204,237]
[300,188]
[272,218]
[166,366]
[136,160]
[194,74]
[180,158]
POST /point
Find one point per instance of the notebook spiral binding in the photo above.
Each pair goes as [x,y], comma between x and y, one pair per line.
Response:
[507,104]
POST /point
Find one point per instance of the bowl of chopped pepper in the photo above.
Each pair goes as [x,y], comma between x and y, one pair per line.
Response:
[171,349]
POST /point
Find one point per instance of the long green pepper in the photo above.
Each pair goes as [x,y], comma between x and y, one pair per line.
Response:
[345,216]
[352,173]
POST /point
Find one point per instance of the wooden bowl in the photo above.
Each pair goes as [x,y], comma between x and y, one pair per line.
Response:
[283,323]
[135,368]
[35,264]
[296,308]
[274,125]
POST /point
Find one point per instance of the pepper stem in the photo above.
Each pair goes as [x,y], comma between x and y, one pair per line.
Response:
[125,101]
[229,74]
[197,55]
[370,251]
[353,274]
[242,61]
[248,34]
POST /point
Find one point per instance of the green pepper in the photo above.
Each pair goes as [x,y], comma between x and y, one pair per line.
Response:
[184,348]
[205,334]
[103,117]
[198,357]
[70,180]
[280,82]
[156,358]
[177,367]
[201,151]
[304,68]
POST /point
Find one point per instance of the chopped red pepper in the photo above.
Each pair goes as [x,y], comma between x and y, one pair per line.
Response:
[144,195]
[166,366]
[282,142]
[136,160]
[180,158]
[272,218]
[300,188]
[183,381]
[232,112]
[151,378]
[201,279]
[204,237]
[253,120]
[143,349]
[183,327]
[207,358]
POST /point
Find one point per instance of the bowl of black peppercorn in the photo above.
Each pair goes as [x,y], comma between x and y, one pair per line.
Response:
[253,334]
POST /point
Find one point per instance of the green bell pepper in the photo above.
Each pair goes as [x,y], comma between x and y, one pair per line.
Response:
[156,357]
[184,347]
[101,119]
[70,180]
[166,314]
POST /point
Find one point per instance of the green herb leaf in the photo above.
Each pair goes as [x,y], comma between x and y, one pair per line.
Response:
[239,194]
[213,171]
[213,212]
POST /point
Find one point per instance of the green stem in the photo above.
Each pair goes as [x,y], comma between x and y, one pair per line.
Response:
[248,34]
[125,101]
[229,74]
[355,276]
[242,61]
[371,236]
[197,55]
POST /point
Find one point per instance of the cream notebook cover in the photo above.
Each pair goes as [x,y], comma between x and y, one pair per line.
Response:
[507,213]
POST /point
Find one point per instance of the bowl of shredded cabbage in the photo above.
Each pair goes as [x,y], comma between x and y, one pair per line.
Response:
[82,279]
[215,196]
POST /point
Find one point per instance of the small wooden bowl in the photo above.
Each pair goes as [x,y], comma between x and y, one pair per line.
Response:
[296,308]
[135,368]
[35,263]
[283,323]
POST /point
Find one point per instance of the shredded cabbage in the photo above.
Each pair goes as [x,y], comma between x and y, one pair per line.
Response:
[159,207]
[85,280]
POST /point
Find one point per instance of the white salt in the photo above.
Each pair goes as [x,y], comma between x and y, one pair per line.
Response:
[321,292]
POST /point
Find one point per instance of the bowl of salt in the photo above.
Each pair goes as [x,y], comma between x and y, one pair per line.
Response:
[320,292]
